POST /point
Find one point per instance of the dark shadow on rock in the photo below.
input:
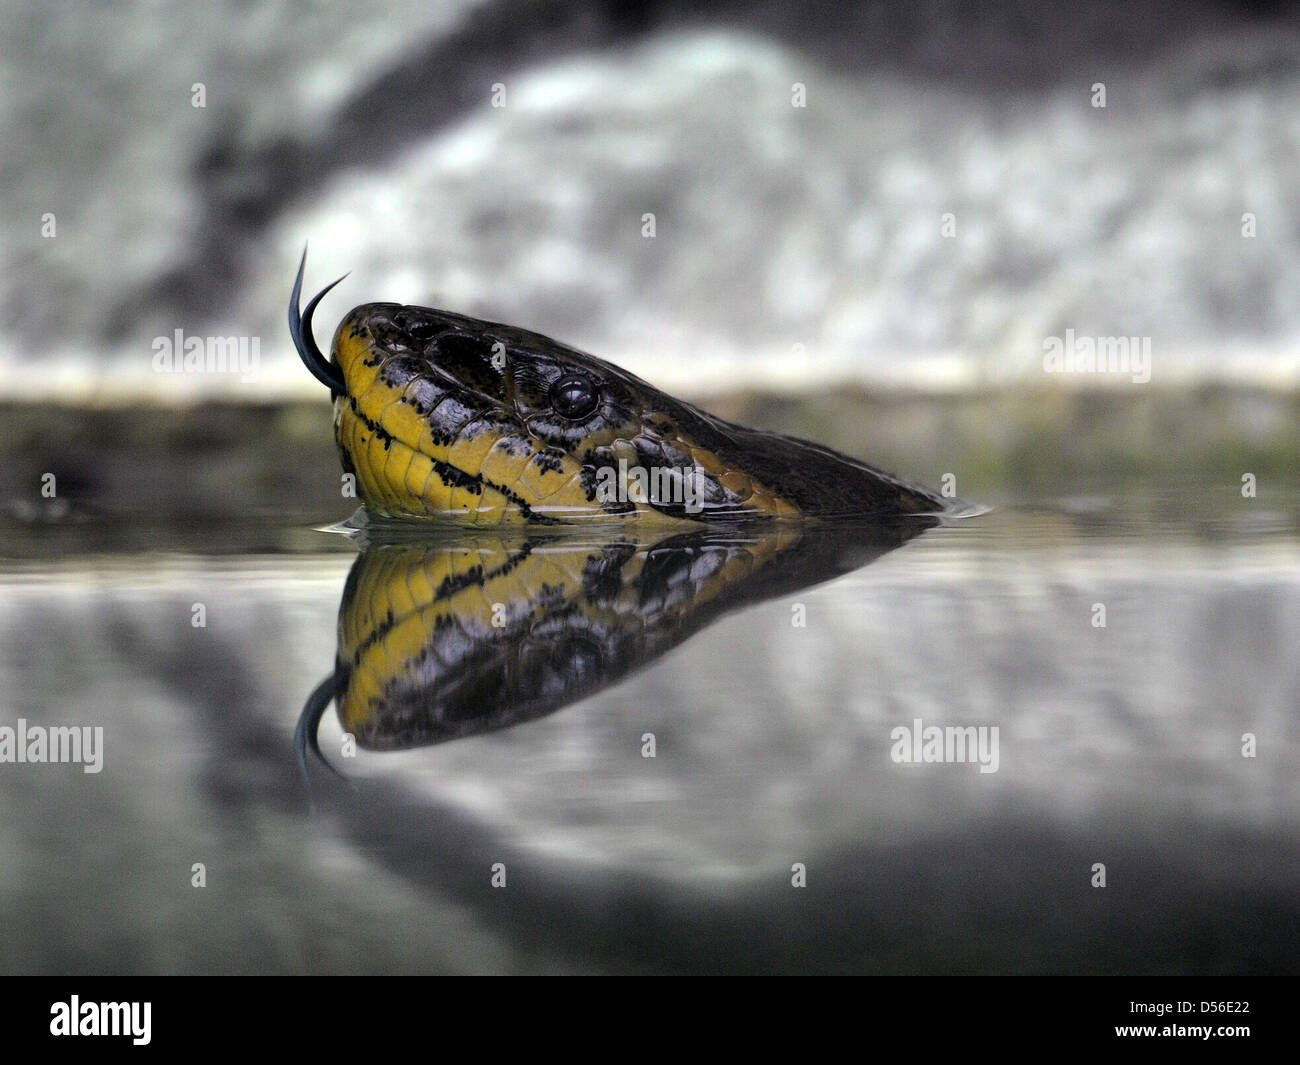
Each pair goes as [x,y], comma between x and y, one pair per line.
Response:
[1014,47]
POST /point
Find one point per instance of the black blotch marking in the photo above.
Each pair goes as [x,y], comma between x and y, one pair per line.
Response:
[447,419]
[551,460]
[653,455]
[373,637]
[458,582]
[467,358]
[514,445]
[550,596]
[423,395]
[401,370]
[602,576]
[379,431]
[597,458]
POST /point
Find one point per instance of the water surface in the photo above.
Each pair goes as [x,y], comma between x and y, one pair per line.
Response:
[773,724]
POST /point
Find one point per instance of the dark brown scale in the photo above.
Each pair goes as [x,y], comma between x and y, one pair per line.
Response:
[448,419]
[468,359]
[401,370]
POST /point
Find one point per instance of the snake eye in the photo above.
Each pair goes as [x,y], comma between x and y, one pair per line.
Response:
[574,397]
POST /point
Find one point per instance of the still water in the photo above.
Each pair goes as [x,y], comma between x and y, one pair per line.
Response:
[618,753]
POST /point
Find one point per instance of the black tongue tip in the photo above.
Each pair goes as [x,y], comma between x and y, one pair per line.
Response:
[300,330]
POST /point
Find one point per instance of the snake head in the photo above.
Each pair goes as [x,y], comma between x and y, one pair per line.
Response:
[442,416]
[447,416]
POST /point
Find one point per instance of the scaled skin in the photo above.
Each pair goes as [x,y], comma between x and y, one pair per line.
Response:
[454,419]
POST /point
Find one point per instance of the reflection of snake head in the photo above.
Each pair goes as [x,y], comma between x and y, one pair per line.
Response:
[482,631]
[443,416]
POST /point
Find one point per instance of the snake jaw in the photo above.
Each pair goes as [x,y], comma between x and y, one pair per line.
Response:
[300,329]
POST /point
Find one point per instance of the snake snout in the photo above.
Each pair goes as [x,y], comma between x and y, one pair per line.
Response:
[398,328]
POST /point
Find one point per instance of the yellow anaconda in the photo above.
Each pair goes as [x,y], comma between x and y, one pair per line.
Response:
[441,416]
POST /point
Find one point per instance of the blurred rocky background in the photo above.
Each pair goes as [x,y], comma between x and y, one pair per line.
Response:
[880,267]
